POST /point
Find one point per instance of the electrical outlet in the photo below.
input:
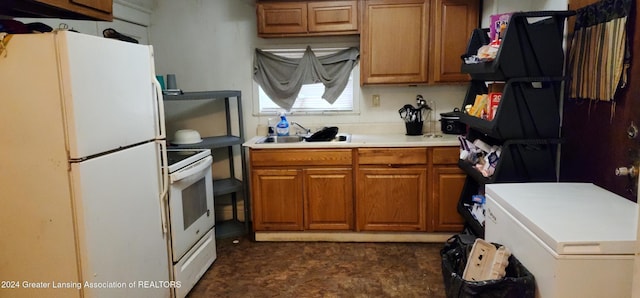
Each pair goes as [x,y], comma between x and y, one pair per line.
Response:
[375,100]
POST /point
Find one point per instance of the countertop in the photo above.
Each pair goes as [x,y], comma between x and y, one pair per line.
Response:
[364,140]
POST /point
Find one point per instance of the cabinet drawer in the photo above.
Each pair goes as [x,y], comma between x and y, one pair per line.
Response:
[396,156]
[333,16]
[446,155]
[301,157]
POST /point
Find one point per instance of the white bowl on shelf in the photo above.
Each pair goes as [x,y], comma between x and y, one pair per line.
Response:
[186,137]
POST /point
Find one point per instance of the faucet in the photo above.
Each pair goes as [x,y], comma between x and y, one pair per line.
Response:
[307,131]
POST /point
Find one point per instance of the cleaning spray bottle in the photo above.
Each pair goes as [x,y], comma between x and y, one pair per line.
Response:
[282,128]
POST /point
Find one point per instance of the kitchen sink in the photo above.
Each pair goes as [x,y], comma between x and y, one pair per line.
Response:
[299,139]
[281,139]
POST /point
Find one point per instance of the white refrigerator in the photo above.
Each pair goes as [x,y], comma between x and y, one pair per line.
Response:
[577,239]
[81,180]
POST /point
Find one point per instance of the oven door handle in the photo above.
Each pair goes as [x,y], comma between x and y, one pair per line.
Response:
[192,169]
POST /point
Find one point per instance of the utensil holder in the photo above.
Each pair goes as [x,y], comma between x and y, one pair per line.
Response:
[414,128]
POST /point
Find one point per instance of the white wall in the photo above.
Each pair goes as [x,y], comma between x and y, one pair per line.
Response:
[209,45]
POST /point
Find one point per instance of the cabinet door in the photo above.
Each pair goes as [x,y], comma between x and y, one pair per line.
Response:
[282,17]
[392,199]
[328,199]
[447,186]
[454,22]
[277,200]
[96,9]
[331,16]
[394,42]
[101,5]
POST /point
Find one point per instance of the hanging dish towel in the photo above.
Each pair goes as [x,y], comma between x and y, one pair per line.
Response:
[599,55]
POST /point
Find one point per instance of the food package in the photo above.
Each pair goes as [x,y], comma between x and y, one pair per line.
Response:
[486,262]
[495,94]
[487,53]
[497,21]
[479,105]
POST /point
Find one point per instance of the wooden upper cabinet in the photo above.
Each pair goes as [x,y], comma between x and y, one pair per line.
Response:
[307,18]
[454,22]
[333,16]
[393,42]
[101,5]
[411,42]
[282,17]
[99,10]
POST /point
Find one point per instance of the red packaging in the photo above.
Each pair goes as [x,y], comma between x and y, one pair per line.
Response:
[493,102]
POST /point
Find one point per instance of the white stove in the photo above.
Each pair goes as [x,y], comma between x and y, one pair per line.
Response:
[192,215]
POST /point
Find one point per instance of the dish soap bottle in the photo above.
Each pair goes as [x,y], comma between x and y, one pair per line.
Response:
[282,128]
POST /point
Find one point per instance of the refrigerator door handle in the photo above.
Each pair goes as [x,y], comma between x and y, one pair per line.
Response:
[159,101]
[164,194]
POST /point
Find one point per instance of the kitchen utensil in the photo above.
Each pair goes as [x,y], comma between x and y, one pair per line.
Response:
[323,135]
[411,114]
[186,136]
[414,128]
[420,101]
[413,119]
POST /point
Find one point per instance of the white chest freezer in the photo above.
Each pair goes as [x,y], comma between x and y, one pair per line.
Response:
[577,239]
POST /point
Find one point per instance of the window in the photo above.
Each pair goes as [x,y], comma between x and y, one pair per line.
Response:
[309,99]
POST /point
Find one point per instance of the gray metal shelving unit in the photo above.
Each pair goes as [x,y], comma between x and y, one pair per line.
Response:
[232,185]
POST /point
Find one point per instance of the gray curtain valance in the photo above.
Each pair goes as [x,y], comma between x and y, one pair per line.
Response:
[281,78]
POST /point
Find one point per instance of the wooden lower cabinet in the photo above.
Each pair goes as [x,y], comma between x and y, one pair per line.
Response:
[447,185]
[328,199]
[277,199]
[302,199]
[302,189]
[392,199]
[383,190]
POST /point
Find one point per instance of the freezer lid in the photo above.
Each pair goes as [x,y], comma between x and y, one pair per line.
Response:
[108,97]
[571,218]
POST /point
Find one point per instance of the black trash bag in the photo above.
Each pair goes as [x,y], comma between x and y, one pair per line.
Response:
[517,283]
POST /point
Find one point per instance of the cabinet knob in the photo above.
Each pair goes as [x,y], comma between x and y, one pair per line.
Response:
[630,171]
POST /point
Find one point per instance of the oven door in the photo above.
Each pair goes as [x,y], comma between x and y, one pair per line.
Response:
[190,205]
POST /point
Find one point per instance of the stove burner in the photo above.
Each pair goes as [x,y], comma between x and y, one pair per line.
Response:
[176,156]
[179,158]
